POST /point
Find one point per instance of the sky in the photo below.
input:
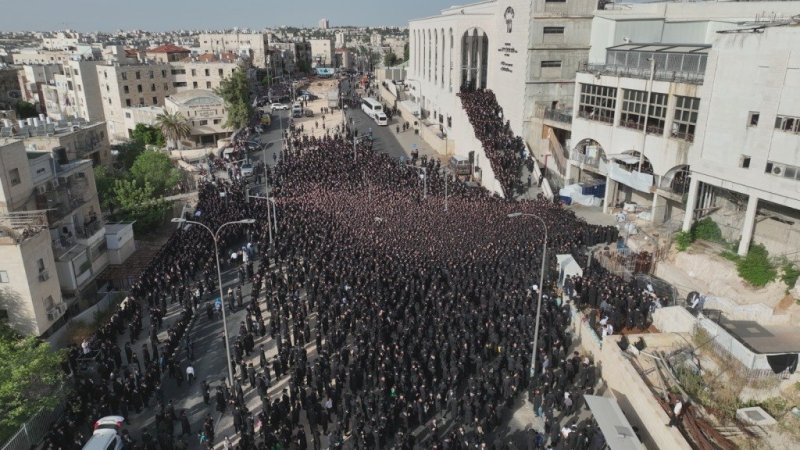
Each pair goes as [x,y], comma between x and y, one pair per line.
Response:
[161,15]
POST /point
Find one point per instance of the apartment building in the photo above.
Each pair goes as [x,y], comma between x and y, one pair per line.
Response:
[124,86]
[32,77]
[53,241]
[71,140]
[44,56]
[288,58]
[10,91]
[203,72]
[75,92]
[251,45]
[167,53]
[321,52]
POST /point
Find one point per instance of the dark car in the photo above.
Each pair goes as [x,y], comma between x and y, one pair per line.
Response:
[308,113]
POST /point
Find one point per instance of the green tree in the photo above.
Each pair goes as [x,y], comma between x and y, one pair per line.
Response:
[139,203]
[154,169]
[173,127]
[104,181]
[148,135]
[127,154]
[31,379]
[26,109]
[235,91]
[389,59]
[406,54]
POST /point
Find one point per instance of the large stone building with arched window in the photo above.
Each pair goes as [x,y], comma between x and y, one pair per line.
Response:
[526,52]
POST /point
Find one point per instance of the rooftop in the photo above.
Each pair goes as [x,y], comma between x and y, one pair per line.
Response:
[169,48]
[764,339]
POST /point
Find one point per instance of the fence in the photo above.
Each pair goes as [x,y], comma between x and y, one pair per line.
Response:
[624,263]
[35,429]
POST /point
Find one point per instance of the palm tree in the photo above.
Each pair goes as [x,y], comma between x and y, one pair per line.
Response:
[173,126]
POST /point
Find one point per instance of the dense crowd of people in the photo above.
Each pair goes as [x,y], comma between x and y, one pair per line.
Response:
[376,320]
[506,152]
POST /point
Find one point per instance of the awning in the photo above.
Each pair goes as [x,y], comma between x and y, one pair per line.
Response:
[613,423]
[625,158]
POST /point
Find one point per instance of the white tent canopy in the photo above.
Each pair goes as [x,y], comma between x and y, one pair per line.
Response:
[567,266]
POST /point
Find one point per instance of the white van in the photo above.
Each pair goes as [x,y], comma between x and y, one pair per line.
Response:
[297,110]
[381,119]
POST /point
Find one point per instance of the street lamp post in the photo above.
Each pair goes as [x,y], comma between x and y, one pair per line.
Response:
[215,236]
[355,141]
[541,288]
[424,179]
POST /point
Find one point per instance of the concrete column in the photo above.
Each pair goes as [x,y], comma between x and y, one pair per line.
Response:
[749,225]
[469,59]
[568,171]
[691,202]
[656,208]
[611,186]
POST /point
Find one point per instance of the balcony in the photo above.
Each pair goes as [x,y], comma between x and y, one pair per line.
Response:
[600,116]
[558,115]
[20,226]
[61,200]
[90,232]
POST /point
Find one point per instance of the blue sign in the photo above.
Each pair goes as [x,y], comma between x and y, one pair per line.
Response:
[325,71]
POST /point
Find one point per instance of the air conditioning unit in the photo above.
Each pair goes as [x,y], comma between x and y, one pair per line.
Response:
[778,169]
[51,315]
[44,276]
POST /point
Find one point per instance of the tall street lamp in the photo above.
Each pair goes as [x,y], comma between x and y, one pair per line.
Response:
[541,288]
[215,235]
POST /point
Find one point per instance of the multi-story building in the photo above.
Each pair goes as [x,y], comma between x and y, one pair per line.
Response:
[205,71]
[251,45]
[288,58]
[323,24]
[656,116]
[74,93]
[33,76]
[10,92]
[745,165]
[76,139]
[322,52]
[127,85]
[525,52]
[42,56]
[52,238]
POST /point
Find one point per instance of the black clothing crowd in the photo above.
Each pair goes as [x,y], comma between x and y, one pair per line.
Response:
[396,324]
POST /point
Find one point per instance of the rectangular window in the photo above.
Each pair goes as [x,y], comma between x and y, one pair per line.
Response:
[204,122]
[151,74]
[208,72]
[163,74]
[551,64]
[124,75]
[744,162]
[752,119]
[48,302]
[138,75]
[126,89]
[139,88]
[787,123]
[208,85]
[153,87]
[166,86]
[597,102]
[13,176]
[155,100]
[3,276]
[217,121]
[634,105]
[555,1]
[685,119]
[553,30]
[221,72]
[194,84]
[128,102]
[194,72]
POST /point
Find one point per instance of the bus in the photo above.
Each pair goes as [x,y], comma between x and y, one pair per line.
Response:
[370,106]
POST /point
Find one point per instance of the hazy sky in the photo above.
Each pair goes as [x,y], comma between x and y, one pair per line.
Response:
[159,15]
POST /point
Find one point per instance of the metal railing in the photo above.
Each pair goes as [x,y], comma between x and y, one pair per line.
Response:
[89,229]
[557,150]
[559,115]
[644,73]
[594,115]
[34,430]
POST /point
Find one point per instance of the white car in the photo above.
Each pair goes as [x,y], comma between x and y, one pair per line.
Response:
[106,434]
[247,170]
[279,107]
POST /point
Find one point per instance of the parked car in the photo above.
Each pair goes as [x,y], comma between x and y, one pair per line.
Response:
[106,434]
[308,113]
[247,169]
[279,107]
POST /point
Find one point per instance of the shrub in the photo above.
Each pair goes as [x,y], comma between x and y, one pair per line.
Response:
[707,230]
[683,240]
[755,268]
[790,274]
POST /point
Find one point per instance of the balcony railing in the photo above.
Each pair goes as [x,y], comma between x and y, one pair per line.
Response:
[64,199]
[652,129]
[89,229]
[598,116]
[585,159]
[688,137]
[18,226]
[559,115]
[636,72]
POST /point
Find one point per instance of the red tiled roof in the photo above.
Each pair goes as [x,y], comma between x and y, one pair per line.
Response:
[169,48]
